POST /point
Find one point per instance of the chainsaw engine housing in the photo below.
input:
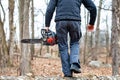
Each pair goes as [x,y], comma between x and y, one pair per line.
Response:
[49,37]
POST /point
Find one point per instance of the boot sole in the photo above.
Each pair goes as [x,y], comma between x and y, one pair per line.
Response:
[75,71]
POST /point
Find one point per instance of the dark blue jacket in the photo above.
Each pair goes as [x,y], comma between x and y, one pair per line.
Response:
[69,10]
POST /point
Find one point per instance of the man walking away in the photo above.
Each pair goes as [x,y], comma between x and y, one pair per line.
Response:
[68,20]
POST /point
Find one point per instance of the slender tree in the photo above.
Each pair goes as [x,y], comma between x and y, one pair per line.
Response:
[107,40]
[46,1]
[97,32]
[86,38]
[25,56]
[115,36]
[41,47]
[12,29]
[3,43]
[21,10]
[32,27]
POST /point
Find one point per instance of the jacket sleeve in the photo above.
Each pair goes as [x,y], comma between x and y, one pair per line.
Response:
[49,12]
[92,9]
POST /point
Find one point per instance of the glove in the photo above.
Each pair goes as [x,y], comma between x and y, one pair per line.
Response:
[90,28]
[47,28]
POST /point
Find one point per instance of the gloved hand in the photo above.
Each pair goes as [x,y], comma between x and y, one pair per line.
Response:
[90,28]
[47,28]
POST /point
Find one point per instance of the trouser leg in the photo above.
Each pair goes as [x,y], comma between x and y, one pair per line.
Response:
[75,35]
[62,32]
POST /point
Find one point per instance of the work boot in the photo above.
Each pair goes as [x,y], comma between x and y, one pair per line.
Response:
[68,76]
[75,68]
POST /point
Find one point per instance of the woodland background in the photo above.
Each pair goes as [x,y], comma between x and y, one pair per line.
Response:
[20,19]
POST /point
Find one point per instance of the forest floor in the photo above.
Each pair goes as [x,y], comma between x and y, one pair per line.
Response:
[52,67]
[46,67]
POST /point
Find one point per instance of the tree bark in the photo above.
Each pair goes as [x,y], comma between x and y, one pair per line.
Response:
[86,38]
[12,29]
[107,40]
[3,43]
[25,56]
[32,26]
[21,16]
[115,36]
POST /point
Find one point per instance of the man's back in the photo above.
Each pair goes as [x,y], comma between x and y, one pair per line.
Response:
[69,10]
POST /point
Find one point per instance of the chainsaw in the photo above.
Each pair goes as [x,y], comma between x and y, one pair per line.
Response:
[48,38]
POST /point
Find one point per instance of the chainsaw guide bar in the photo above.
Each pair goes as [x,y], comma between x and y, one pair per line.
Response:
[49,38]
[32,41]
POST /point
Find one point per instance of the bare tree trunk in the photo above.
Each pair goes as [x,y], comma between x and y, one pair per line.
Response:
[107,41]
[21,10]
[46,2]
[91,40]
[0,49]
[115,36]
[86,38]
[3,43]
[26,56]
[85,48]
[97,32]
[12,29]
[32,26]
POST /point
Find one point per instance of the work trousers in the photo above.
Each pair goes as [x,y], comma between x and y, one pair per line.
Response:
[73,29]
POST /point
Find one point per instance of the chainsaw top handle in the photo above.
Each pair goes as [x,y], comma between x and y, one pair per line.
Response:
[46,34]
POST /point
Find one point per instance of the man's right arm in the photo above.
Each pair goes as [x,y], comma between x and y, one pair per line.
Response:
[49,12]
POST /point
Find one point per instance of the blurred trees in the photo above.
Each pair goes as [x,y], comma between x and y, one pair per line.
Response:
[99,39]
[94,42]
[97,32]
[4,56]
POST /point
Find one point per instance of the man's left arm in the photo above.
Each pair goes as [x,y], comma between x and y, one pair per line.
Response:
[92,9]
